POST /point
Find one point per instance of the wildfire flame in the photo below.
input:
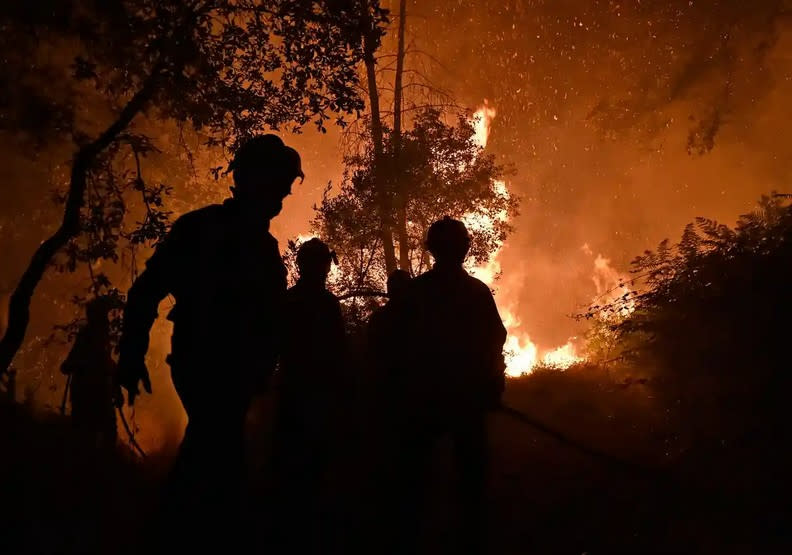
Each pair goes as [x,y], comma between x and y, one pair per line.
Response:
[522,353]
[612,290]
[482,120]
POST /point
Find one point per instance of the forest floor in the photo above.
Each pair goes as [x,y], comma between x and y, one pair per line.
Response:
[547,495]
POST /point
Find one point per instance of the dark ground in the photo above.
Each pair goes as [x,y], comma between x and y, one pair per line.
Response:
[546,496]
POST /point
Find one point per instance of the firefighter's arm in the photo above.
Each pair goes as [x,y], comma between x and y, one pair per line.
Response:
[140,312]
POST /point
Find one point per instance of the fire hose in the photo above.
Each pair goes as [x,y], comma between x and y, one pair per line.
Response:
[508,411]
[65,394]
[566,440]
[518,415]
[130,434]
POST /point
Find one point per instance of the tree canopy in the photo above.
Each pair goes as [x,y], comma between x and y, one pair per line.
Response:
[231,67]
[439,170]
[81,72]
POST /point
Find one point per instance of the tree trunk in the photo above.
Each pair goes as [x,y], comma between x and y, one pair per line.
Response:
[397,87]
[401,201]
[19,304]
[376,136]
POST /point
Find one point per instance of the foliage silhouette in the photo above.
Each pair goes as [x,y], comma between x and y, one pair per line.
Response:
[227,68]
[439,171]
[710,321]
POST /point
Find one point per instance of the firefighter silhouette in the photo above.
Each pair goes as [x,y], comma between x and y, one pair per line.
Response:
[382,331]
[449,340]
[224,270]
[310,379]
[91,377]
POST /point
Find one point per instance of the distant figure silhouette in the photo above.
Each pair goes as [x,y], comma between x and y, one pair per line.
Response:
[91,370]
[383,329]
[311,368]
[383,363]
[450,341]
[225,271]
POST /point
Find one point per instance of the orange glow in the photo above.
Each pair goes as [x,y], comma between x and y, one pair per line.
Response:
[562,357]
[482,120]
[522,354]
[612,289]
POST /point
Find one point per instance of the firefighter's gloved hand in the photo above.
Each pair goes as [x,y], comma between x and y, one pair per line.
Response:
[130,374]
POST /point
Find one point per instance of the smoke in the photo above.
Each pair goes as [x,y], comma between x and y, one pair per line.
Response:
[598,107]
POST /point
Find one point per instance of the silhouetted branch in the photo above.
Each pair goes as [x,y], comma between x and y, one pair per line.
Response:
[19,305]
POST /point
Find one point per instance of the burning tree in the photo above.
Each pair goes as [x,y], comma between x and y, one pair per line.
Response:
[439,170]
[81,72]
[403,173]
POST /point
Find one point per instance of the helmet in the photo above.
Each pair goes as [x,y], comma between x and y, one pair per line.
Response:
[398,282]
[448,240]
[314,255]
[267,152]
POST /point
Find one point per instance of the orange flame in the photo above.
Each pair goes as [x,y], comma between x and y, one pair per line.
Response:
[482,121]
[522,354]
[612,289]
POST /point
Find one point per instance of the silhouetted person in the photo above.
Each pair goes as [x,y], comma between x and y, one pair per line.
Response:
[225,271]
[311,377]
[450,345]
[383,328]
[379,404]
[91,370]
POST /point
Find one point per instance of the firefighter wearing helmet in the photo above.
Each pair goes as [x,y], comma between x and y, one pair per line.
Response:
[312,383]
[224,270]
[450,375]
